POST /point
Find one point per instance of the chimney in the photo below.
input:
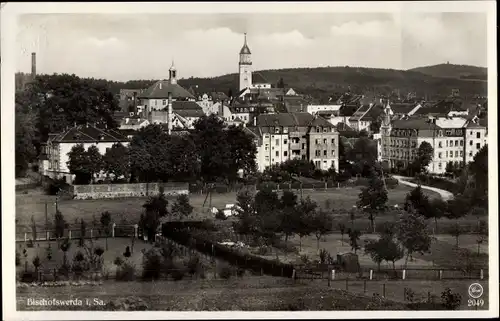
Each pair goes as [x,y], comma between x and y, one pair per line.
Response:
[169,116]
[33,66]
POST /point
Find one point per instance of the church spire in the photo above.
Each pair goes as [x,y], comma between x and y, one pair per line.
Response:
[172,73]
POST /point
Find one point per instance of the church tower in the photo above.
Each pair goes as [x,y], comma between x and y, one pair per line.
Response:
[172,74]
[245,66]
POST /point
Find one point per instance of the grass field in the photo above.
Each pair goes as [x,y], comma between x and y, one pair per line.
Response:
[129,209]
[248,294]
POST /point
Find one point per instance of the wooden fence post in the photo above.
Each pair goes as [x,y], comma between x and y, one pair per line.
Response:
[329,278]
[293,274]
[347,284]
[91,233]
[113,230]
[371,274]
[25,237]
[481,275]
[136,227]
[48,235]
[383,290]
[404,274]
[333,275]
[364,286]
[440,274]
[69,234]
[429,296]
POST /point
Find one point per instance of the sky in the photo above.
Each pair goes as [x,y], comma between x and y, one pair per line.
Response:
[125,47]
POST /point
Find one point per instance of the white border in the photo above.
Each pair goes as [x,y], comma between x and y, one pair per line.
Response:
[8,26]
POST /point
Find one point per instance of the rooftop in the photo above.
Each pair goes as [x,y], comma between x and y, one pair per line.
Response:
[88,134]
[291,120]
[160,90]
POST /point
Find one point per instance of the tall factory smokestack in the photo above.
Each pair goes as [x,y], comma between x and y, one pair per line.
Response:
[169,116]
[33,66]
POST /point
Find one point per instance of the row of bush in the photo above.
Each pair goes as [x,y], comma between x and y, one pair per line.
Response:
[438,182]
[232,256]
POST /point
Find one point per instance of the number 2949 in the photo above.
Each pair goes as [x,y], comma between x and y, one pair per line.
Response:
[475,302]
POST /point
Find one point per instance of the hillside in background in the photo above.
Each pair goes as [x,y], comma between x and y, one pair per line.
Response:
[454,71]
[320,83]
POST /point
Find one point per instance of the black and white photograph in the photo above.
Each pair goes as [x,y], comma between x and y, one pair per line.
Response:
[249,157]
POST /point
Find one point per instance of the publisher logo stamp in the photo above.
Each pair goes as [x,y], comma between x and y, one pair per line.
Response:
[475,290]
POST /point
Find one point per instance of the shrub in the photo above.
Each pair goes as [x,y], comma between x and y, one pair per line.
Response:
[126,272]
[118,261]
[64,270]
[450,300]
[55,186]
[391,182]
[220,215]
[28,277]
[193,265]
[178,272]
[152,265]
[323,256]
[225,271]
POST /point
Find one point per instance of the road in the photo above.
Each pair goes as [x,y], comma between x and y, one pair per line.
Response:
[445,195]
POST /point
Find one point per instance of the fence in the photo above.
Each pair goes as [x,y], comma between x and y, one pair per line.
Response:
[332,274]
[127,190]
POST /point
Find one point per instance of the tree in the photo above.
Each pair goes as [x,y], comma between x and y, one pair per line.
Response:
[281,83]
[59,224]
[457,207]
[342,231]
[412,234]
[242,151]
[267,218]
[181,207]
[65,246]
[95,161]
[61,100]
[479,171]
[424,156]
[437,209]
[354,236]
[83,230]
[384,249]
[155,208]
[246,213]
[213,149]
[456,230]
[373,198]
[116,161]
[26,137]
[288,206]
[306,209]
[321,224]
[106,225]
[36,263]
[450,168]
[79,165]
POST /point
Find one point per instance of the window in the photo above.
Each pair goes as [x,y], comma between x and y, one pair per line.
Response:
[277,130]
[478,135]
[164,102]
[470,142]
[461,153]
[478,145]
[277,142]
[317,141]
[333,153]
[285,141]
[461,143]
[439,155]
[456,153]
[446,144]
[285,130]
[324,141]
[440,165]
[285,153]
[303,146]
[470,154]
[440,145]
[324,153]
[317,164]
[333,141]
[456,143]
[318,153]
[277,153]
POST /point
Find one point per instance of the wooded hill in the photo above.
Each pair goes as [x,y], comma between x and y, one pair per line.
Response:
[433,82]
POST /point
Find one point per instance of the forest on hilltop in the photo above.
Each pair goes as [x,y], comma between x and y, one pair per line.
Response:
[433,82]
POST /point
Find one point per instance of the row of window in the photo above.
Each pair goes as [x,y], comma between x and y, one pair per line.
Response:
[451,154]
[325,153]
[325,141]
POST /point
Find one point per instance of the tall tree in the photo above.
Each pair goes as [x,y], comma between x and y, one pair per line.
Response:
[306,209]
[412,234]
[59,224]
[321,224]
[155,208]
[373,198]
[242,151]
[354,236]
[106,225]
[26,137]
[479,171]
[116,161]
[94,160]
[246,213]
[425,154]
[79,165]
[288,208]
[213,150]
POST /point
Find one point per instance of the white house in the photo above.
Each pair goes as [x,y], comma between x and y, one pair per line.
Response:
[55,150]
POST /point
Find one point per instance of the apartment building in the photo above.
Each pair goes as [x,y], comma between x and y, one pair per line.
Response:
[286,136]
[454,139]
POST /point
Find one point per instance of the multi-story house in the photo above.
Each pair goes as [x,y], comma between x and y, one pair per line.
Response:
[453,139]
[55,150]
[286,136]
